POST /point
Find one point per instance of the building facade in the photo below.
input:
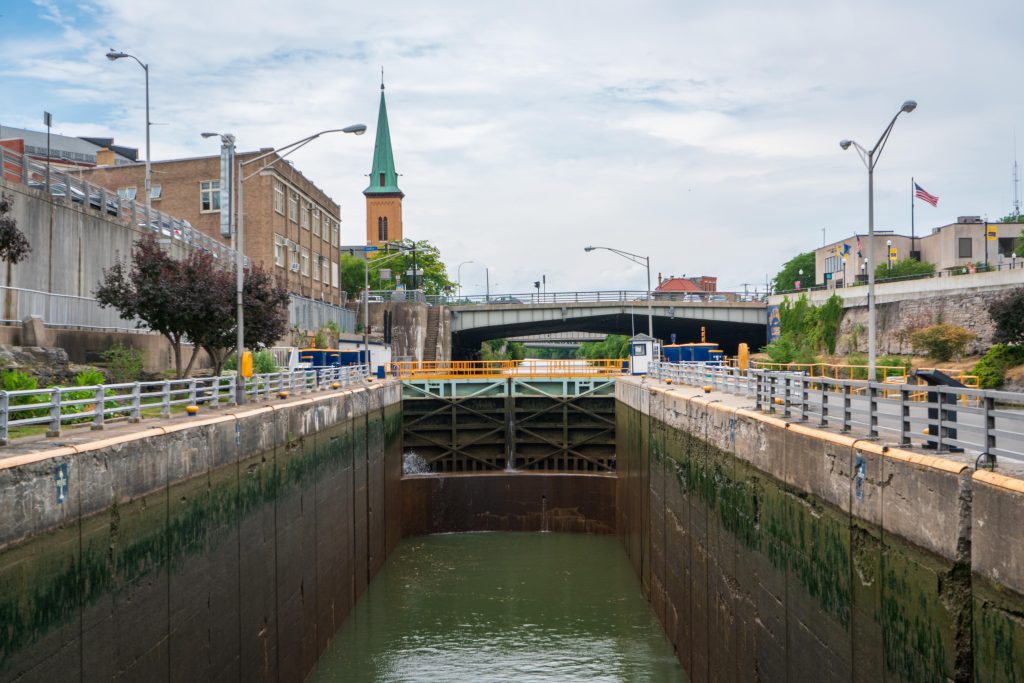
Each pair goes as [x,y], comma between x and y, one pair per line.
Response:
[961,244]
[292,227]
[383,197]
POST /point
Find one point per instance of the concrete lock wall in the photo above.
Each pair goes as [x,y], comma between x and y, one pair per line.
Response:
[228,547]
[771,551]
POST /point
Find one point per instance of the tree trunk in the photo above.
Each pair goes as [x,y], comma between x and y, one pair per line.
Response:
[175,341]
[191,361]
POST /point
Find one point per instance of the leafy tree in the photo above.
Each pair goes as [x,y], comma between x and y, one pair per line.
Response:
[806,330]
[613,346]
[904,268]
[1012,219]
[785,279]
[352,269]
[434,279]
[502,349]
[1007,313]
[13,245]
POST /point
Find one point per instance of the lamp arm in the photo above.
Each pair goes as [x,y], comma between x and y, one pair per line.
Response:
[876,151]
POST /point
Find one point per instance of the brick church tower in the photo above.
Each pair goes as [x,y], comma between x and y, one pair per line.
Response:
[383,198]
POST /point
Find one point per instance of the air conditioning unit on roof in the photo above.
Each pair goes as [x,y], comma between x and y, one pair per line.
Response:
[295,267]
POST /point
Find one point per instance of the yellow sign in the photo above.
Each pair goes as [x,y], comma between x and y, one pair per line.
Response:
[892,254]
[991,233]
[247,364]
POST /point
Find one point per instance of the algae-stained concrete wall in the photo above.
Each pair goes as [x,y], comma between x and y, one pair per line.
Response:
[226,548]
[771,551]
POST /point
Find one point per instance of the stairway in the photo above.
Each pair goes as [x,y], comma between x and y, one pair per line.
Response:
[430,343]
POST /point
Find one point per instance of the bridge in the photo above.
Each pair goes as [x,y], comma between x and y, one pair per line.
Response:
[725,318]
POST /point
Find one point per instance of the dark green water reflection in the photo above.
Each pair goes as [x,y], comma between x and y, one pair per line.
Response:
[502,607]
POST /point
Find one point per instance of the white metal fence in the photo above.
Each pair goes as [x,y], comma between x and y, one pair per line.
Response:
[307,314]
[945,419]
[57,407]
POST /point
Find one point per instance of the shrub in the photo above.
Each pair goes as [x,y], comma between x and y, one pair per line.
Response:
[263,362]
[16,380]
[991,368]
[942,341]
[123,363]
[904,268]
[332,327]
[320,340]
[1007,312]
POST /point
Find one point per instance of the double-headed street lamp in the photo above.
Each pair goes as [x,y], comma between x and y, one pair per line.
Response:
[643,261]
[228,153]
[113,56]
[870,158]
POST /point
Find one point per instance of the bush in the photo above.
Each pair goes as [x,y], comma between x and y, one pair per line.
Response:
[320,340]
[123,363]
[904,268]
[263,362]
[943,341]
[991,369]
[16,380]
[1007,313]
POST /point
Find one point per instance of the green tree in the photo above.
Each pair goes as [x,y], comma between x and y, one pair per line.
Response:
[1012,219]
[785,279]
[806,330]
[942,341]
[434,278]
[904,268]
[352,276]
[13,244]
[613,346]
[502,349]
[1007,312]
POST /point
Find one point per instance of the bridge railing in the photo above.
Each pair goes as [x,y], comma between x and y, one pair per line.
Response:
[495,369]
[57,407]
[984,423]
[609,296]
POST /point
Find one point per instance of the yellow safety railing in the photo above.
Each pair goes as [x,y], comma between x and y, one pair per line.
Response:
[498,369]
[835,370]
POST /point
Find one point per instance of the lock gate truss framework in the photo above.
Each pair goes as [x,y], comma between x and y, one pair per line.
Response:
[480,425]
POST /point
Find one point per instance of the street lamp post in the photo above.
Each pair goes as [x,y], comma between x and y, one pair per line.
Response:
[643,261]
[888,255]
[870,158]
[366,298]
[459,276]
[228,140]
[113,56]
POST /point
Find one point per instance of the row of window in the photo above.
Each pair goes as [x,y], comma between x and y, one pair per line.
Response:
[306,214]
[297,259]
[129,193]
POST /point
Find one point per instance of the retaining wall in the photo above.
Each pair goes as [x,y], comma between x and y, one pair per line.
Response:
[772,551]
[229,547]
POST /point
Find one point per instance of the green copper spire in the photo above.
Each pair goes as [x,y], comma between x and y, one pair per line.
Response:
[383,176]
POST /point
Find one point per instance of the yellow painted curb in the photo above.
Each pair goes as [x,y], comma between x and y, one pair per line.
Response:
[38,456]
[999,480]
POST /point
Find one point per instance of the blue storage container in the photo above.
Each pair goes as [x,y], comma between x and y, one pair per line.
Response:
[702,352]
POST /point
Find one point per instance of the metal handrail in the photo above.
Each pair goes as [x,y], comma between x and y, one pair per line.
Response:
[597,296]
[496,369]
[56,407]
[984,422]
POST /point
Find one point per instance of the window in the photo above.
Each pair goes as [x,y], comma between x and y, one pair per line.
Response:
[382,180]
[305,261]
[155,191]
[127,193]
[335,233]
[334,274]
[316,221]
[834,264]
[279,197]
[325,268]
[382,229]
[305,216]
[280,247]
[316,268]
[963,247]
[293,260]
[1006,245]
[209,196]
[293,207]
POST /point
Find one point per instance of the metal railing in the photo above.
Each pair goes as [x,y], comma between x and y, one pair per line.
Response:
[96,405]
[66,185]
[494,369]
[610,296]
[1011,263]
[309,314]
[985,423]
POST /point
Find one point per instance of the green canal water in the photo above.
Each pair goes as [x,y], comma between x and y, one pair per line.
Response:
[502,607]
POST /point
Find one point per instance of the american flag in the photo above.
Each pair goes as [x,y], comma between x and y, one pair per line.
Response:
[922,195]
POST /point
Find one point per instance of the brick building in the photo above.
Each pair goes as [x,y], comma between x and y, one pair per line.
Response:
[291,225]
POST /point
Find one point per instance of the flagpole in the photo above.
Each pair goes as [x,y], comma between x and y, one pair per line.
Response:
[913,244]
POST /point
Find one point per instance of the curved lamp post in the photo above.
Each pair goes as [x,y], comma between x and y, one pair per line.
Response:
[870,158]
[459,276]
[113,56]
[643,261]
[228,141]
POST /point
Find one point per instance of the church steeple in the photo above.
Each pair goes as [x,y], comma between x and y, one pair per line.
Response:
[383,176]
[383,196]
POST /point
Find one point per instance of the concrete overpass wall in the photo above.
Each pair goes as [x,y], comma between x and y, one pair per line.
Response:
[773,551]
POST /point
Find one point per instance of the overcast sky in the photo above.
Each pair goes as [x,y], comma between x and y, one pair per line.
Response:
[702,134]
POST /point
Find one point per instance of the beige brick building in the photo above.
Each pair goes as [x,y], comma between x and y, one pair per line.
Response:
[291,226]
